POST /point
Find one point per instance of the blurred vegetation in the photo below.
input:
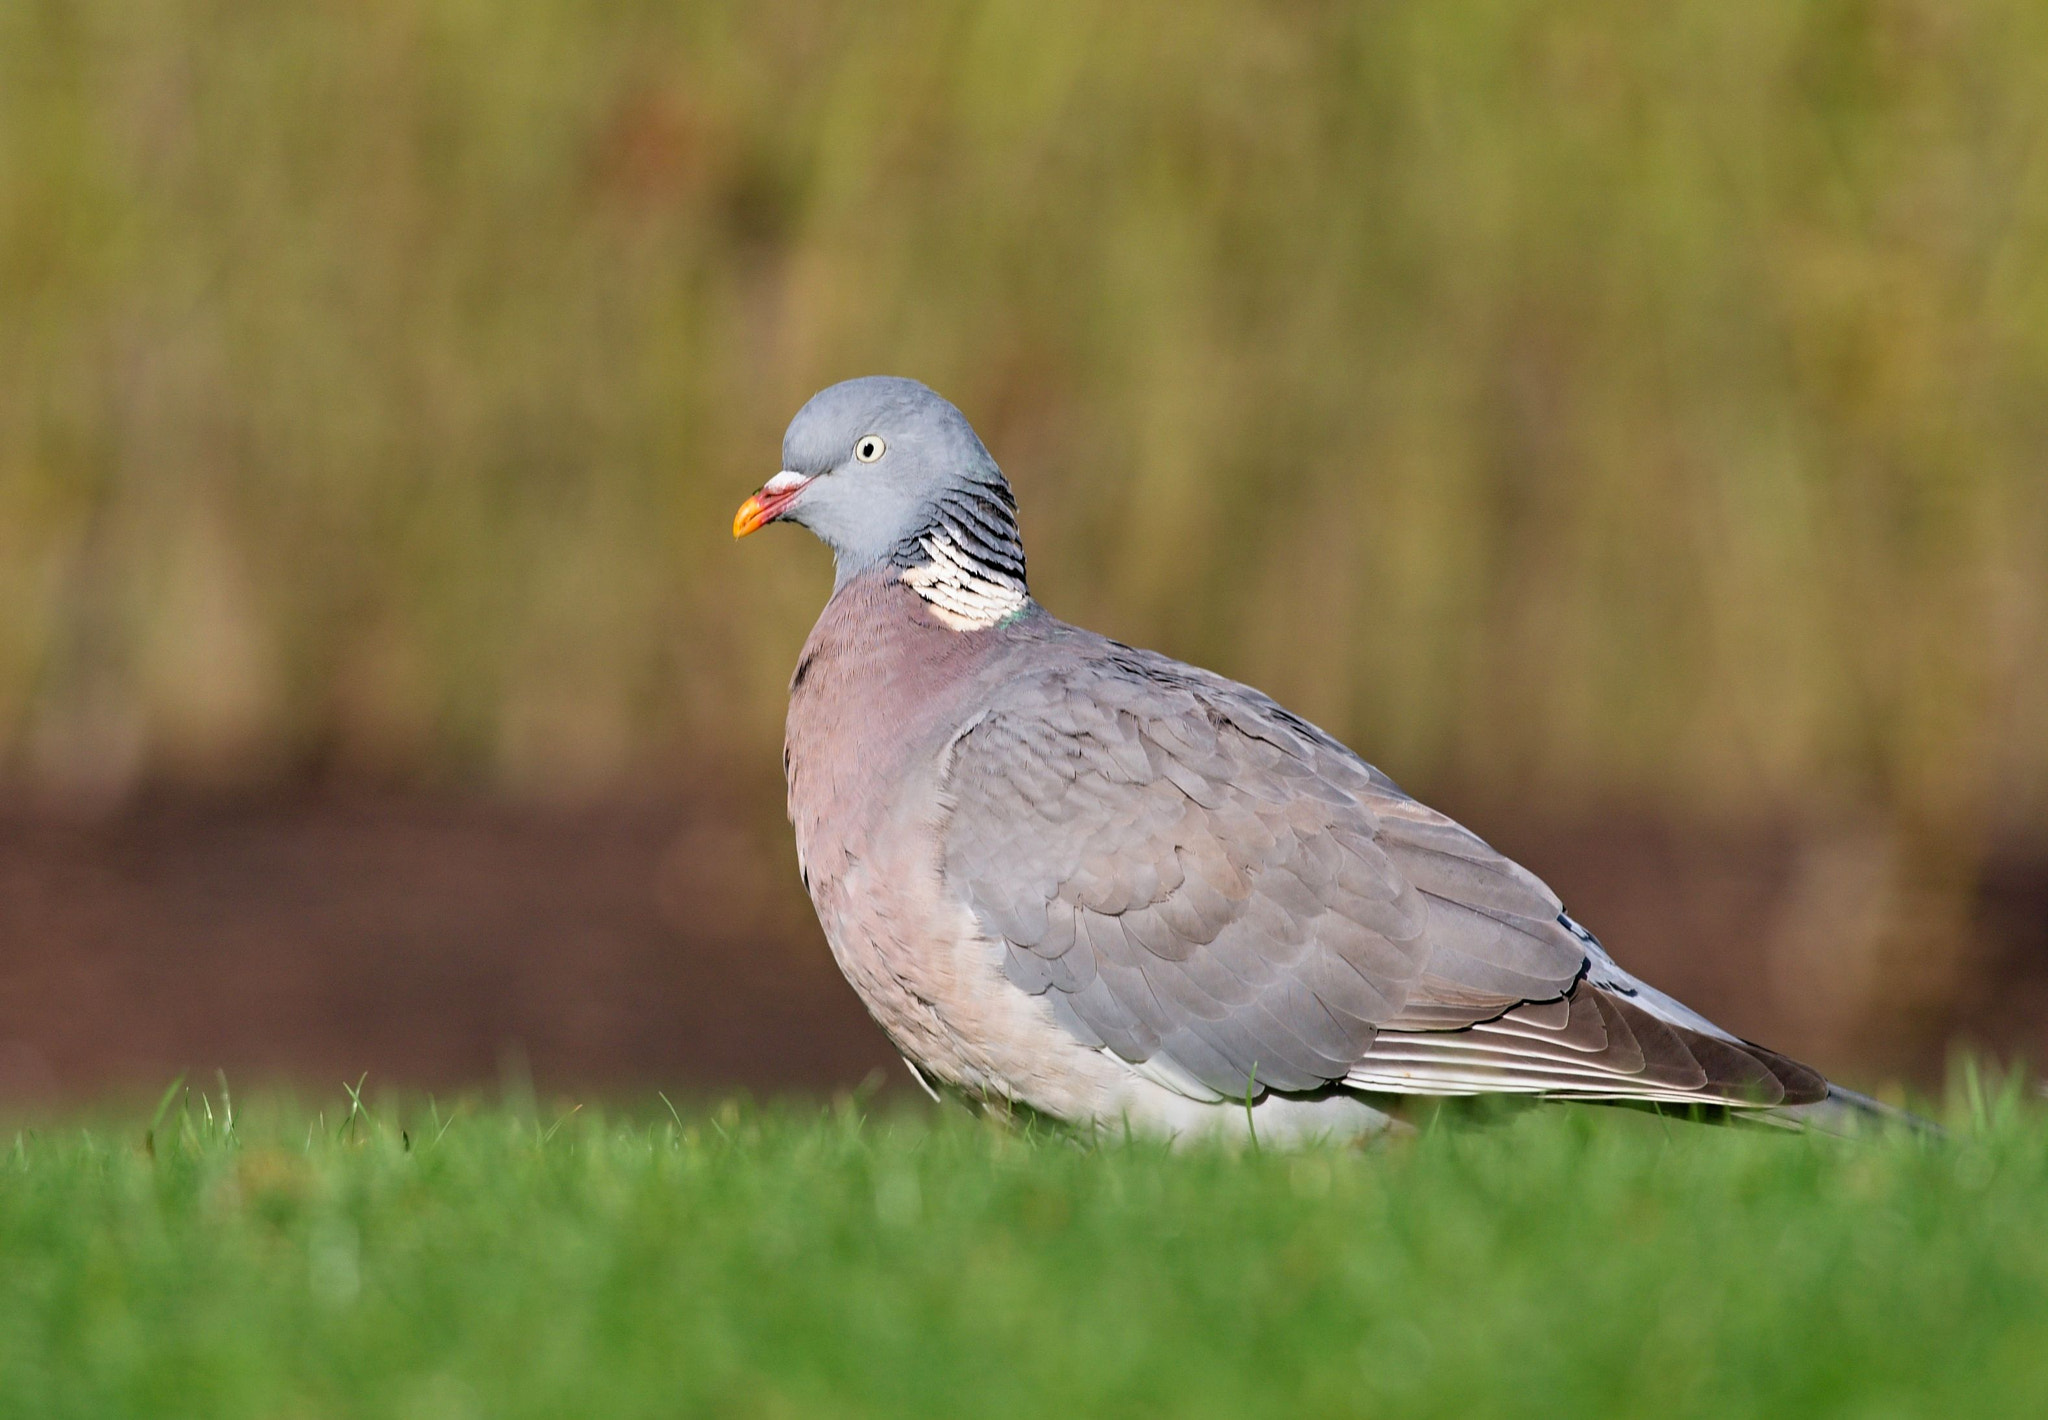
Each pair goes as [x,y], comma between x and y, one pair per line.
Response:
[1603,401]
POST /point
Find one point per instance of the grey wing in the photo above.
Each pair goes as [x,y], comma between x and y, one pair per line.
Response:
[1218,892]
[1196,878]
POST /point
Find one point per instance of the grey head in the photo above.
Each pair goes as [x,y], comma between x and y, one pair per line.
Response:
[885,472]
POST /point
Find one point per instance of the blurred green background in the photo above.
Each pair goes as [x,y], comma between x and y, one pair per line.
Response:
[1571,404]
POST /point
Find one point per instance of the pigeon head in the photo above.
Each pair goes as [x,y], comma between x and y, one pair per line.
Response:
[888,474]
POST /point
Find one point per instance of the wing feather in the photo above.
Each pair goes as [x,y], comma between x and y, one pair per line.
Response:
[1221,894]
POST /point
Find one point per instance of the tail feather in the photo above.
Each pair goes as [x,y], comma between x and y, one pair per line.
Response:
[1847,1113]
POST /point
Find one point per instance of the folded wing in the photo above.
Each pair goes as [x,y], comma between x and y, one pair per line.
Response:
[1226,898]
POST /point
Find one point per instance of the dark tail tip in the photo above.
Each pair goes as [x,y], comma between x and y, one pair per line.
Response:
[1847,1112]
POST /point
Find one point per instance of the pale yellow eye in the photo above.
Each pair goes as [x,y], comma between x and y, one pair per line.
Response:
[869,447]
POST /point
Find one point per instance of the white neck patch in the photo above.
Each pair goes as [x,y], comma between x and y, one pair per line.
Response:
[962,593]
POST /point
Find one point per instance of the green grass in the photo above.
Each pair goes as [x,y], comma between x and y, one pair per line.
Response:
[789,1262]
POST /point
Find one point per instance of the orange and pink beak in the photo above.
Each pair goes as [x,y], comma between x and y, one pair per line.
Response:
[769,504]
